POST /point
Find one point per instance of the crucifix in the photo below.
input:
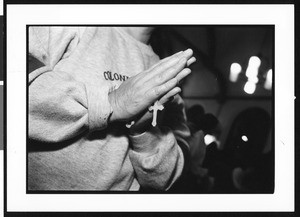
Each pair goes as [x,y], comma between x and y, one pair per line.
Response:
[154,108]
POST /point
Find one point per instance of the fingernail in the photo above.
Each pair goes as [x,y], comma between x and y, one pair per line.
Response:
[191,61]
[188,51]
[187,70]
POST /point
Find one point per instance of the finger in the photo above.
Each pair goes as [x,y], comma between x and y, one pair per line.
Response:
[167,71]
[180,76]
[156,92]
[167,63]
[173,57]
[185,72]
[188,53]
[164,65]
[178,54]
[191,61]
[170,66]
[168,74]
[167,97]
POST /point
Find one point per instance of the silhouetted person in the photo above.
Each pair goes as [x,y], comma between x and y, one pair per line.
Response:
[245,168]
[200,124]
[194,117]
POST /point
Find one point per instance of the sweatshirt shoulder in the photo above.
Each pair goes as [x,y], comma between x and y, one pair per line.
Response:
[46,41]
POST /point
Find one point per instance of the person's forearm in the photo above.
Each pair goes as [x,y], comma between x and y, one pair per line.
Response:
[157,159]
[61,107]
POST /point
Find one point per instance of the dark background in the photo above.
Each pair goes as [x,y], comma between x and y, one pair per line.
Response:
[216,48]
[236,166]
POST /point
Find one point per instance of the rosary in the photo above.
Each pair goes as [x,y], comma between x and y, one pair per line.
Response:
[157,106]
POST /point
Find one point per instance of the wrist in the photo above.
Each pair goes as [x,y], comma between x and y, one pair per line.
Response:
[112,101]
[138,129]
[134,132]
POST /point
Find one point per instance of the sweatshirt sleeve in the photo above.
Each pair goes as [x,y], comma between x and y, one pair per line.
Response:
[61,107]
[158,155]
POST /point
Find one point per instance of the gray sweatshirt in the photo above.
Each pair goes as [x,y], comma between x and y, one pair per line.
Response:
[71,145]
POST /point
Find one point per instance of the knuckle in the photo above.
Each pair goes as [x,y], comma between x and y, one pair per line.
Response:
[158,69]
[162,67]
[156,92]
[175,68]
[150,94]
[157,79]
[160,77]
[172,83]
[135,103]
[166,86]
[163,100]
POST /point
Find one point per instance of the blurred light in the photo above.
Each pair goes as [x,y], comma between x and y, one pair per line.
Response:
[208,139]
[252,69]
[245,138]
[255,61]
[268,82]
[249,87]
[235,70]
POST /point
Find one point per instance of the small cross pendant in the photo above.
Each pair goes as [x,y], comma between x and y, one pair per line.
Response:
[154,108]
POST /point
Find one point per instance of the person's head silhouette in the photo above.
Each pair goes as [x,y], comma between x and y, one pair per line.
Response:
[194,116]
[248,135]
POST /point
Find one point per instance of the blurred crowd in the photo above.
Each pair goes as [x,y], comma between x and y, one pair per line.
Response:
[240,165]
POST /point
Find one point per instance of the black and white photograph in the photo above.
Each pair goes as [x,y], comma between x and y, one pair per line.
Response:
[151,109]
[187,113]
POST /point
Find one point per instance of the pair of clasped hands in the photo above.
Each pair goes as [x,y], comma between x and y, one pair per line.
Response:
[158,83]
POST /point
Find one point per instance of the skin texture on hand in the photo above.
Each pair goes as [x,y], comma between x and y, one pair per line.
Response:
[131,100]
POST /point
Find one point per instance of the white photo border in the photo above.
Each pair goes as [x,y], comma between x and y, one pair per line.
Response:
[18,16]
